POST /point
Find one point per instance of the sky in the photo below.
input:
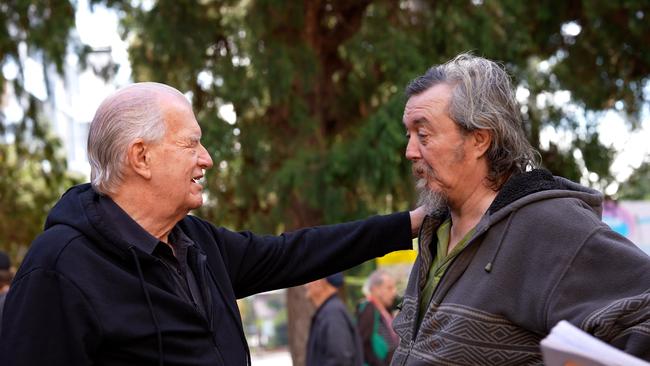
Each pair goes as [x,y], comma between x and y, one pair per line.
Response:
[98,29]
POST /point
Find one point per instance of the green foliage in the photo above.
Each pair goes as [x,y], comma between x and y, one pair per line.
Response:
[317,89]
[32,171]
[38,24]
[32,177]
[637,186]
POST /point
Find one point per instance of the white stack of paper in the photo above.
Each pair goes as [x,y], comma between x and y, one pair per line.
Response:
[569,345]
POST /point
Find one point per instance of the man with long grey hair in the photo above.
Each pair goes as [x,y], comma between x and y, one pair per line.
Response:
[122,275]
[507,250]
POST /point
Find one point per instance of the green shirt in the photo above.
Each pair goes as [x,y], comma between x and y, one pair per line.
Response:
[440,263]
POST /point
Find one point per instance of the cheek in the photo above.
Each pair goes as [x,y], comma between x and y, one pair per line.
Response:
[430,154]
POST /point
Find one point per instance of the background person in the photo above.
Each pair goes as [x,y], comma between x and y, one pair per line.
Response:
[333,338]
[6,275]
[375,320]
[507,250]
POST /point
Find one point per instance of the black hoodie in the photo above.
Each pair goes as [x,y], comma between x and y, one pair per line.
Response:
[85,296]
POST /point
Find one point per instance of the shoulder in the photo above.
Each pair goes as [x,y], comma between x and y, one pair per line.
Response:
[202,232]
[335,308]
[47,249]
[559,214]
[198,228]
[565,229]
[366,307]
[191,222]
[208,235]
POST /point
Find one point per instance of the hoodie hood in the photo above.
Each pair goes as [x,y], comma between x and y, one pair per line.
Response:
[536,185]
[80,209]
[526,188]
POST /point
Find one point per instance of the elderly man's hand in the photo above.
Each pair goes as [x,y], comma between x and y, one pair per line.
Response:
[417,216]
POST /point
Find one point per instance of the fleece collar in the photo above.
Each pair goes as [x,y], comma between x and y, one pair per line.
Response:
[522,185]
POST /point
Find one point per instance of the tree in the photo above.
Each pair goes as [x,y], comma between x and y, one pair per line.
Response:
[32,169]
[637,187]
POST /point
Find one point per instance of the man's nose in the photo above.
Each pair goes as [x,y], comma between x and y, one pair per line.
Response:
[205,161]
[412,149]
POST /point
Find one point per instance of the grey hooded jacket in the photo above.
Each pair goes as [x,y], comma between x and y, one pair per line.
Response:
[539,255]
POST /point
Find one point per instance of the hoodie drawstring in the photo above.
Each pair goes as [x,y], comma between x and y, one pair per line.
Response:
[153,315]
[488,267]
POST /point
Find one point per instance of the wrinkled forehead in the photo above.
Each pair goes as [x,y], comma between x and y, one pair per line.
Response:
[434,100]
[178,116]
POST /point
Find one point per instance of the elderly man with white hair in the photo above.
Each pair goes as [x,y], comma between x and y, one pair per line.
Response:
[374,319]
[122,275]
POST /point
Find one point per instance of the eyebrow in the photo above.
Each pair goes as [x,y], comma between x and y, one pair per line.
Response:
[419,122]
[194,139]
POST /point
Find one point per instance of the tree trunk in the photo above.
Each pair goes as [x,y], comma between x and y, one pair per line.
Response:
[299,311]
[325,41]
[299,308]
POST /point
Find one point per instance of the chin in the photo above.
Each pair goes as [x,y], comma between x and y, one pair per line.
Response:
[195,204]
[432,199]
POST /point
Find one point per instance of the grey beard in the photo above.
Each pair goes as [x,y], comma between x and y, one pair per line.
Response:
[431,200]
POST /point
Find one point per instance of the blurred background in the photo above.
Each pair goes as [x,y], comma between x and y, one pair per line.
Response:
[300,103]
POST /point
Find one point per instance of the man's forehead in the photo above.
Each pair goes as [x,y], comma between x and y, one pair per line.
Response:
[190,130]
[437,94]
[387,279]
[415,116]
[418,106]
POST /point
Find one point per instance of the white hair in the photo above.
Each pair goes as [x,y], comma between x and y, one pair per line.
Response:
[375,279]
[132,112]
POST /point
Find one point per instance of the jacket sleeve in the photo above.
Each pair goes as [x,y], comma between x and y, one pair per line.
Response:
[47,321]
[606,292]
[262,263]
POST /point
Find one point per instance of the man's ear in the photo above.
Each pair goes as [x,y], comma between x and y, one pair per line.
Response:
[138,158]
[481,139]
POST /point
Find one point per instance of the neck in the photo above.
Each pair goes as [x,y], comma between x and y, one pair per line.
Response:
[378,304]
[138,205]
[468,212]
[322,296]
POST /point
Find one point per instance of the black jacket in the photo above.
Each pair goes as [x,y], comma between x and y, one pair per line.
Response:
[85,296]
[333,338]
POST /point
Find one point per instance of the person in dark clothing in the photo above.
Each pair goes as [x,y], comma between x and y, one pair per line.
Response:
[6,276]
[508,250]
[122,275]
[333,338]
[374,319]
